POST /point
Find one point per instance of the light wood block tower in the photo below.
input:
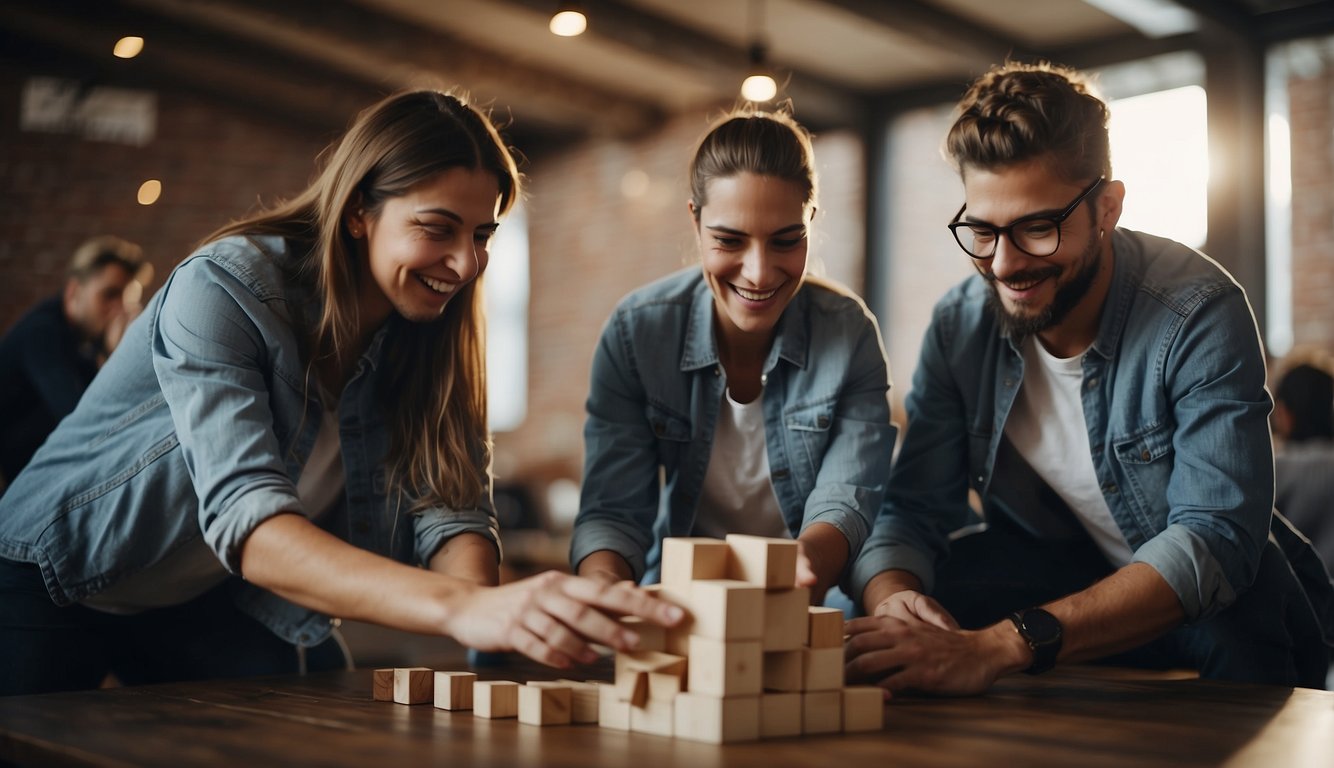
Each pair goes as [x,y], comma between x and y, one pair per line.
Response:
[752,660]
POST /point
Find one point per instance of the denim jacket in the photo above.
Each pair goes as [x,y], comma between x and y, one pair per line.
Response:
[198,426]
[656,391]
[1177,412]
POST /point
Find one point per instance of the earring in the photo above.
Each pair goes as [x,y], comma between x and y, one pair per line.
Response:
[1101,232]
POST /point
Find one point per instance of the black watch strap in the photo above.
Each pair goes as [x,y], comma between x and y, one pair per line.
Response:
[1042,632]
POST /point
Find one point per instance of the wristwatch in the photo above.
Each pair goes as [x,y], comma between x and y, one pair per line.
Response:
[1042,632]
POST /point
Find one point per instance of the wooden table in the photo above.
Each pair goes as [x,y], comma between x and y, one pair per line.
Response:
[1082,716]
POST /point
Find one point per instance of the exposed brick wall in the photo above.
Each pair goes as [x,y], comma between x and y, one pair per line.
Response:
[58,189]
[1311,117]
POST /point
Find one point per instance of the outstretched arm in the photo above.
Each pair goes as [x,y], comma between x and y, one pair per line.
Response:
[551,618]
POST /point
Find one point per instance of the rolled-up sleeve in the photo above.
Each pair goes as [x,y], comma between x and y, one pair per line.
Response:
[850,485]
[619,498]
[209,356]
[1221,492]
[436,525]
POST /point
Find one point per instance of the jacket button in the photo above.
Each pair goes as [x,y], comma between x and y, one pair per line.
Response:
[822,422]
[979,479]
[764,379]
[780,474]
[1146,456]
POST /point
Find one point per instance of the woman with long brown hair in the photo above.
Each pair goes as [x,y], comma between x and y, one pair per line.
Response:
[295,421]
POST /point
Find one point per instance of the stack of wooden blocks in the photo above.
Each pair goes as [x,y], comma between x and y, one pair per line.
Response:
[753,660]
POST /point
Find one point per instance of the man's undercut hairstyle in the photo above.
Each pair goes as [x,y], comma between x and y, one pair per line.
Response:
[1021,112]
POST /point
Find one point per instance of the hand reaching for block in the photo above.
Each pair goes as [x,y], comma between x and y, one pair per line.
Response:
[553,617]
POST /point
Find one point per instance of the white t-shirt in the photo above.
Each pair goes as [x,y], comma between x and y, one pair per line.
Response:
[194,569]
[1047,427]
[737,496]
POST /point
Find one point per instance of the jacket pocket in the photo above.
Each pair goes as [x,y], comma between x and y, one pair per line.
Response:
[672,431]
[1146,461]
[809,429]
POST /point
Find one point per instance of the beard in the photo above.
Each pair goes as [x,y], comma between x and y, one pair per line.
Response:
[1068,296]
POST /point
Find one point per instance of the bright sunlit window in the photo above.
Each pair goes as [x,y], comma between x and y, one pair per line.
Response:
[1160,149]
[506,289]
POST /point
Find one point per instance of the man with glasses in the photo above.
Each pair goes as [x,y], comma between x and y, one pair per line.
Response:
[1102,392]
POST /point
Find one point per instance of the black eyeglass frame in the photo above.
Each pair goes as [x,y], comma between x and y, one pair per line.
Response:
[1057,220]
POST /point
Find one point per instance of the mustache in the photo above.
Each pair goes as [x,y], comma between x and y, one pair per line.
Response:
[1027,276]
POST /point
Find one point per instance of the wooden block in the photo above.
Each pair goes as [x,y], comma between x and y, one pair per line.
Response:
[721,609]
[634,667]
[654,717]
[764,562]
[687,559]
[780,715]
[725,668]
[382,685]
[784,670]
[665,685]
[826,627]
[863,709]
[583,700]
[544,703]
[453,690]
[412,685]
[822,669]
[651,636]
[612,711]
[821,711]
[495,699]
[786,621]
[717,720]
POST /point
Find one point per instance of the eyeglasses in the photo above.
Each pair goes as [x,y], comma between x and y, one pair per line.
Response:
[1038,235]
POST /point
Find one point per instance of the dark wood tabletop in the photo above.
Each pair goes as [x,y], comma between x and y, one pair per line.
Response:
[1082,716]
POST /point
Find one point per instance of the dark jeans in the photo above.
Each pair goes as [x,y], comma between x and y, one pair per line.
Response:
[1268,635]
[51,648]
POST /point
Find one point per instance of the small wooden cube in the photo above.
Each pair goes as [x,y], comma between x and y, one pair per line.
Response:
[665,685]
[716,720]
[652,637]
[495,699]
[786,621]
[826,627]
[780,715]
[545,703]
[412,685]
[822,669]
[863,709]
[633,669]
[583,700]
[784,670]
[612,711]
[821,711]
[765,562]
[382,685]
[654,717]
[687,559]
[721,609]
[725,668]
[453,690]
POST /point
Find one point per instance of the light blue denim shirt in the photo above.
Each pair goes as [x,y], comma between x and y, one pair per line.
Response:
[198,426]
[1177,412]
[656,391]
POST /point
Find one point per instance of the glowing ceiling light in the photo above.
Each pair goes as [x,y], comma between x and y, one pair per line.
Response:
[128,47]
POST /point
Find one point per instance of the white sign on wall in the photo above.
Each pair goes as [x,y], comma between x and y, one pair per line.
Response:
[119,115]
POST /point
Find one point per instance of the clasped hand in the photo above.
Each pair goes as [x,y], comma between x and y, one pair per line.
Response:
[914,644]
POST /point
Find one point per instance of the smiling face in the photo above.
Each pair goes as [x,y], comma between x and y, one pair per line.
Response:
[752,234]
[1057,297]
[425,245]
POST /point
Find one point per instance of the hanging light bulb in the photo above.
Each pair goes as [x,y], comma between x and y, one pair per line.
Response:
[759,85]
[569,21]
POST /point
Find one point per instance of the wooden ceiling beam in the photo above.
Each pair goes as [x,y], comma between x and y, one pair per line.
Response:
[352,40]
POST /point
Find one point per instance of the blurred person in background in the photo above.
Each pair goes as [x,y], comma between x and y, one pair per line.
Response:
[51,354]
[1304,457]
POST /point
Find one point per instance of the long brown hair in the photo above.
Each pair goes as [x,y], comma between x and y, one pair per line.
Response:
[433,375]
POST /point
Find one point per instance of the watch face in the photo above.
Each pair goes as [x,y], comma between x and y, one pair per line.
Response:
[1039,626]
